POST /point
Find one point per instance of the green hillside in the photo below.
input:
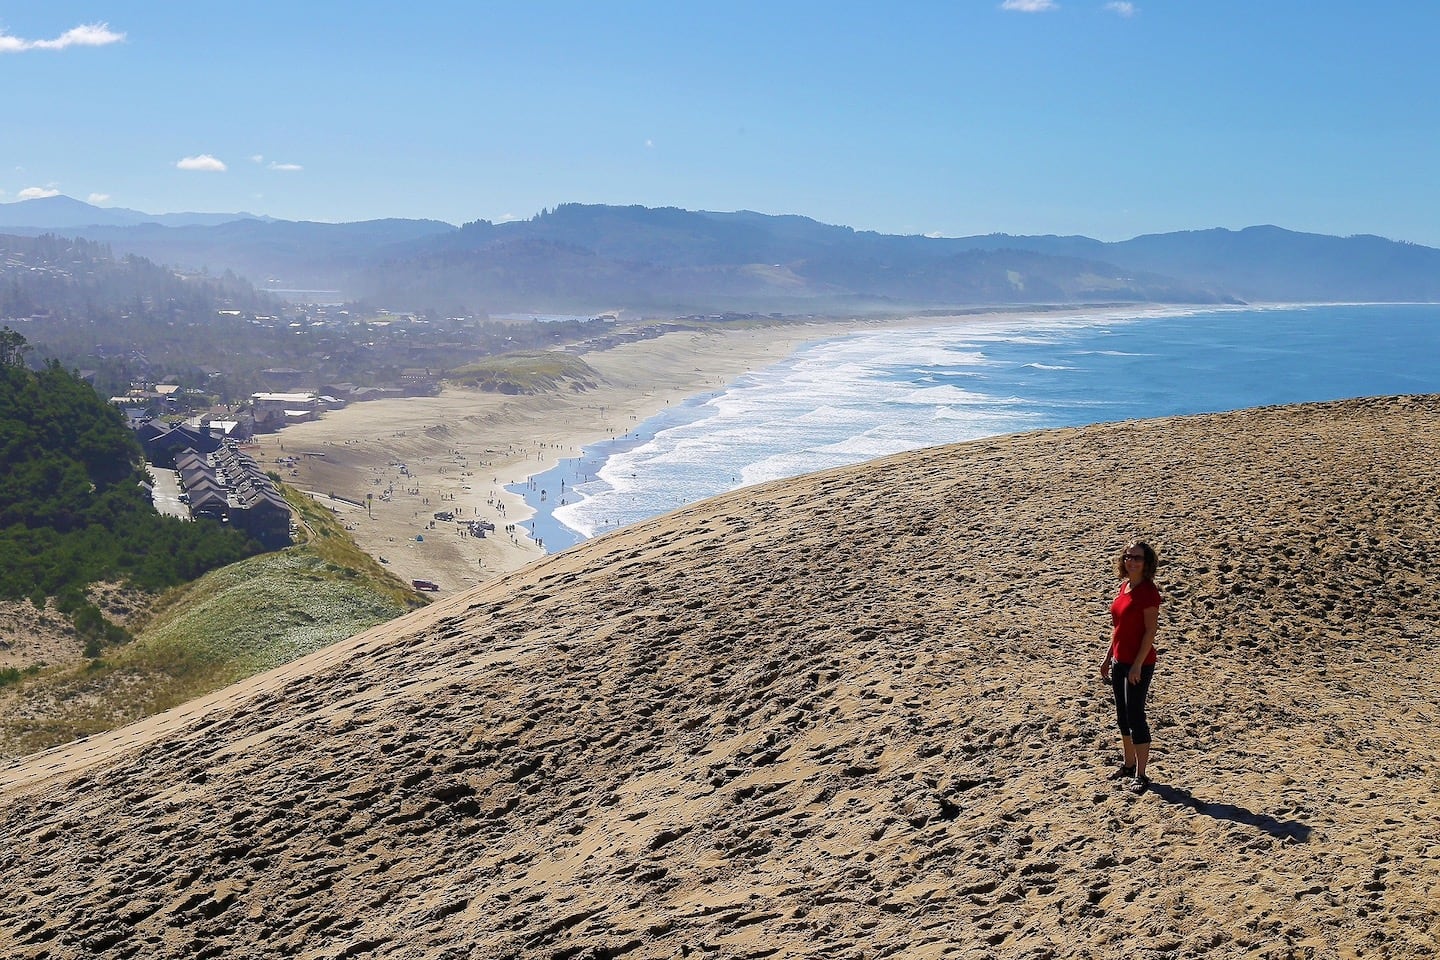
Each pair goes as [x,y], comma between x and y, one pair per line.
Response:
[232,623]
[72,509]
[73,514]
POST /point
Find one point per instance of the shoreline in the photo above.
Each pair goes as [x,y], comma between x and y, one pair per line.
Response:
[463,451]
[546,492]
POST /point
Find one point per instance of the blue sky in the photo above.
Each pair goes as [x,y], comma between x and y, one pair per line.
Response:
[952,118]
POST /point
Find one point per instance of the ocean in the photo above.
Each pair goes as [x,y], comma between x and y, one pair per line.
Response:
[846,400]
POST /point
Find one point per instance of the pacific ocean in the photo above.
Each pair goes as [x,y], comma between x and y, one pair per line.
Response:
[842,401]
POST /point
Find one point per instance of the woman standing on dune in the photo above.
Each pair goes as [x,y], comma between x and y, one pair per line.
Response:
[1130,662]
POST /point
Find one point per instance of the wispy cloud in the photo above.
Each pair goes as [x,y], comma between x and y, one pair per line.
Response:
[202,162]
[37,193]
[1123,7]
[1030,6]
[98,198]
[276,164]
[86,35]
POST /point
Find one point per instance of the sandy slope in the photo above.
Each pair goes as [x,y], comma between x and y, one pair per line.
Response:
[853,714]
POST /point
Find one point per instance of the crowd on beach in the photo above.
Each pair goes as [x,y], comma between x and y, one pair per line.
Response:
[460,530]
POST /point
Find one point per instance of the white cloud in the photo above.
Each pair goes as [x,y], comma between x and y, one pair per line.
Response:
[86,35]
[1123,7]
[202,162]
[1030,6]
[649,144]
[276,164]
[98,198]
[36,193]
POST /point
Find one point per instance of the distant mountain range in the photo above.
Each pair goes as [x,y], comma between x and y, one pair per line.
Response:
[579,258]
[60,212]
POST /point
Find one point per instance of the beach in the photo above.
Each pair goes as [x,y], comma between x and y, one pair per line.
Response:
[391,465]
[873,393]
[852,713]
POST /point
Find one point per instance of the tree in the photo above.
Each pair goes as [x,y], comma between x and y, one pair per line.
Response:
[71,507]
[12,347]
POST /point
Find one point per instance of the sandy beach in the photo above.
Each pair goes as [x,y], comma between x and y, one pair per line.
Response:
[457,452]
[850,714]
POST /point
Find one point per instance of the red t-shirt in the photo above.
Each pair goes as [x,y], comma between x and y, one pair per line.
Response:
[1127,613]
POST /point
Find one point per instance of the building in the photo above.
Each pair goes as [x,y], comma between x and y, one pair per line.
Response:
[228,486]
[274,410]
[162,443]
[256,504]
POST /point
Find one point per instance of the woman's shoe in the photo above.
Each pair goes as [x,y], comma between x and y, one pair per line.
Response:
[1140,784]
[1123,773]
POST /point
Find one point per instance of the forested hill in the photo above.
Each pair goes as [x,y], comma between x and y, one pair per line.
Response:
[82,279]
[123,317]
[72,510]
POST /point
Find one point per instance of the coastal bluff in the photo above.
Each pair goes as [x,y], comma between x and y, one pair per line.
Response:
[852,714]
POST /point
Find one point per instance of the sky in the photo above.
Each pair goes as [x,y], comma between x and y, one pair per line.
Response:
[1093,117]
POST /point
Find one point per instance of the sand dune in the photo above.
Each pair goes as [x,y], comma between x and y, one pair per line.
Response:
[853,714]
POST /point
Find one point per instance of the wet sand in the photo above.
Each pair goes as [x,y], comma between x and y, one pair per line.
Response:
[461,449]
[850,714]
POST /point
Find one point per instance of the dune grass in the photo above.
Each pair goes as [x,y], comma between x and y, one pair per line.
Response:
[526,372]
[232,623]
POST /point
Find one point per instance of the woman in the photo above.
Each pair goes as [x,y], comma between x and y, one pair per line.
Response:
[1130,662]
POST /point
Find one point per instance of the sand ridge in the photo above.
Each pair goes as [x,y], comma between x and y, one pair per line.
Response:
[851,714]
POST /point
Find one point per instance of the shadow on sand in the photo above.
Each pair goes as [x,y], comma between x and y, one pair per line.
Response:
[1282,829]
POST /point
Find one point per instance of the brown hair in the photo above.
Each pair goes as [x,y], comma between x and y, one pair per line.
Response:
[1152,560]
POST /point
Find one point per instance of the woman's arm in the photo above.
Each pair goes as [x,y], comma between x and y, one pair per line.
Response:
[1107,661]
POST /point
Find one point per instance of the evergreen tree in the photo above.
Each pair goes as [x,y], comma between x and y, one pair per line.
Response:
[72,510]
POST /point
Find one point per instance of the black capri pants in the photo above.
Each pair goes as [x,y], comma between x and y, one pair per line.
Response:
[1130,701]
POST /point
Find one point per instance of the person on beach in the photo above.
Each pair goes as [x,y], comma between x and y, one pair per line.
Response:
[1129,663]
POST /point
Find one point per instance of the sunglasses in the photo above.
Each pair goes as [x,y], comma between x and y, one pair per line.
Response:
[1134,556]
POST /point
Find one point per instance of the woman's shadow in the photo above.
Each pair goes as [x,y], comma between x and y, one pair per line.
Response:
[1282,829]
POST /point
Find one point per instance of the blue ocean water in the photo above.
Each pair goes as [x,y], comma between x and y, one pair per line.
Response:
[842,401]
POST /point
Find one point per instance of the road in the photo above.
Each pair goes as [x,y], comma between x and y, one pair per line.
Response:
[165,486]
